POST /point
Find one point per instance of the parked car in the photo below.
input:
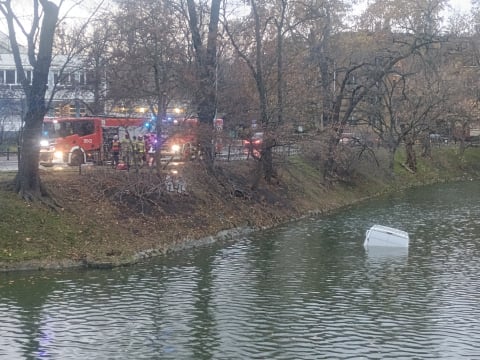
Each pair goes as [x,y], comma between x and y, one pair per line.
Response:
[360,139]
[255,142]
[347,138]
[438,139]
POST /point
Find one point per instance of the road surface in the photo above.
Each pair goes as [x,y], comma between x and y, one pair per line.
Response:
[8,165]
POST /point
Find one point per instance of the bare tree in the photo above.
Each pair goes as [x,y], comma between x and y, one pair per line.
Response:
[249,39]
[147,58]
[358,77]
[206,63]
[96,60]
[404,110]
[40,38]
[461,73]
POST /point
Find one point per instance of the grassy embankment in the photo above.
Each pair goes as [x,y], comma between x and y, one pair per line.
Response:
[109,218]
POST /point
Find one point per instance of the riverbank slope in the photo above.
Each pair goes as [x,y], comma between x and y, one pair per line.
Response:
[110,218]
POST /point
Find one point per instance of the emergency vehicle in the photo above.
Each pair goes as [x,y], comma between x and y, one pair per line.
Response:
[178,147]
[78,140]
[181,143]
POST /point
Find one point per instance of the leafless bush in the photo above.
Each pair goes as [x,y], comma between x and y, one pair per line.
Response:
[140,192]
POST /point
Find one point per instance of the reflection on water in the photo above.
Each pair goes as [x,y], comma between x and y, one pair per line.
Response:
[379,255]
[308,290]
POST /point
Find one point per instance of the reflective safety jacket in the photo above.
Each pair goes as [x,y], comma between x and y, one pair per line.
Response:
[116,145]
[140,146]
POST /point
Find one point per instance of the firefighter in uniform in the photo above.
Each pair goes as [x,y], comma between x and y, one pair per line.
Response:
[139,148]
[126,149]
[150,145]
[115,151]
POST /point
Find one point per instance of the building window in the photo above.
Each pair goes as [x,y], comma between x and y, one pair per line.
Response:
[73,79]
[10,76]
[90,78]
[2,77]
[63,79]
[60,78]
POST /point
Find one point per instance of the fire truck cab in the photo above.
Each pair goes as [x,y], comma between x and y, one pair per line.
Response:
[78,140]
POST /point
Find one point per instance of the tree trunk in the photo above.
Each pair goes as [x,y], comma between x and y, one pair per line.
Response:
[462,147]
[329,163]
[27,181]
[411,156]
[206,61]
[426,146]
[267,159]
[204,139]
[391,160]
[161,114]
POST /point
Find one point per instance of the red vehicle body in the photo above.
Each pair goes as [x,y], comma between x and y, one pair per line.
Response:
[77,140]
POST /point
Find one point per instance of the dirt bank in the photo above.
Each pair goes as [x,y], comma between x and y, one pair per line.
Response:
[111,218]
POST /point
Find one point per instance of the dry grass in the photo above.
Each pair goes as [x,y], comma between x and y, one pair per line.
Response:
[109,216]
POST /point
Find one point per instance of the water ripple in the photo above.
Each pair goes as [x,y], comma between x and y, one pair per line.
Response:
[302,291]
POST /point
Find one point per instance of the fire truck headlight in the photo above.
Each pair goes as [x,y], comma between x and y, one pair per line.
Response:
[58,155]
[175,148]
[44,143]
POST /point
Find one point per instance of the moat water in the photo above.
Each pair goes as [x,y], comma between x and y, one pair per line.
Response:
[306,290]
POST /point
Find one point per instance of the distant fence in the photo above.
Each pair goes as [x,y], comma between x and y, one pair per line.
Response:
[8,158]
[9,155]
[233,153]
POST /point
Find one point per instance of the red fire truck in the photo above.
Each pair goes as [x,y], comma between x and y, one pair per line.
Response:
[77,140]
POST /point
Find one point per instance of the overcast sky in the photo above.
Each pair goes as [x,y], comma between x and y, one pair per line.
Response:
[462,5]
[83,8]
[456,5]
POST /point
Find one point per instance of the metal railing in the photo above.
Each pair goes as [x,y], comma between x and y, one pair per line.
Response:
[9,155]
[233,153]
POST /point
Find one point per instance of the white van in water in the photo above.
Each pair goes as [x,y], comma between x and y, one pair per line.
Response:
[379,235]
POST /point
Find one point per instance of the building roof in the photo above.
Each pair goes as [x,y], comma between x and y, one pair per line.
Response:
[7,60]
[5,47]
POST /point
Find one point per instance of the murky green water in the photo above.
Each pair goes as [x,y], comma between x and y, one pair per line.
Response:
[308,290]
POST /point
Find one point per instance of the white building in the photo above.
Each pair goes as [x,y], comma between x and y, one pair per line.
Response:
[70,84]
